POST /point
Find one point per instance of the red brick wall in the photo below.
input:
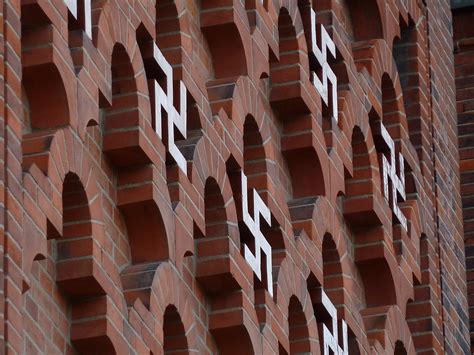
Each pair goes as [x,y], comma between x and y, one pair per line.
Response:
[464,71]
[110,247]
[448,204]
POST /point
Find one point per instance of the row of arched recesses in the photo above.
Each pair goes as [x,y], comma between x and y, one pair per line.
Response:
[395,121]
[303,176]
[46,108]
[294,123]
[146,240]
[361,211]
[121,89]
[65,296]
[256,169]
[80,303]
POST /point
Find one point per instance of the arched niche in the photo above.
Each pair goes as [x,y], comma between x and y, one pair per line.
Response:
[46,97]
[304,175]
[215,247]
[311,183]
[124,89]
[215,212]
[409,56]
[360,202]
[418,306]
[399,349]
[332,271]
[49,90]
[169,34]
[287,72]
[379,286]
[300,342]
[174,334]
[392,108]
[122,117]
[77,273]
[77,238]
[147,248]
[226,34]
[366,19]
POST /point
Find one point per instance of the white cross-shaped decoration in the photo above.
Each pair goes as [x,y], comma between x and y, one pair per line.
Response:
[165,101]
[72,7]
[331,339]
[389,174]
[321,55]
[253,224]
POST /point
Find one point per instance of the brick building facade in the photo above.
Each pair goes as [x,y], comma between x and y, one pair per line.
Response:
[463,34]
[130,127]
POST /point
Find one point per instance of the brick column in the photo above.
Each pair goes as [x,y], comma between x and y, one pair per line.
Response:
[464,72]
[12,197]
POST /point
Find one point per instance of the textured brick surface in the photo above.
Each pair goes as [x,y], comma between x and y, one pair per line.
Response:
[109,247]
[464,76]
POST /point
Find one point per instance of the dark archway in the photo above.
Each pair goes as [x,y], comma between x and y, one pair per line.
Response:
[408,54]
[298,328]
[147,248]
[332,271]
[399,349]
[174,334]
[360,12]
[75,272]
[359,199]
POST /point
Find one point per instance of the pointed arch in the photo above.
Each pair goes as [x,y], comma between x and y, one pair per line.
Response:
[75,275]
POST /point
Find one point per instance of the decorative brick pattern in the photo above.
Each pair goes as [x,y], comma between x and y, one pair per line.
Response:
[125,221]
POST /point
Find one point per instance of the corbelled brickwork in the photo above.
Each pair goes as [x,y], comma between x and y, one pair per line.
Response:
[111,244]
